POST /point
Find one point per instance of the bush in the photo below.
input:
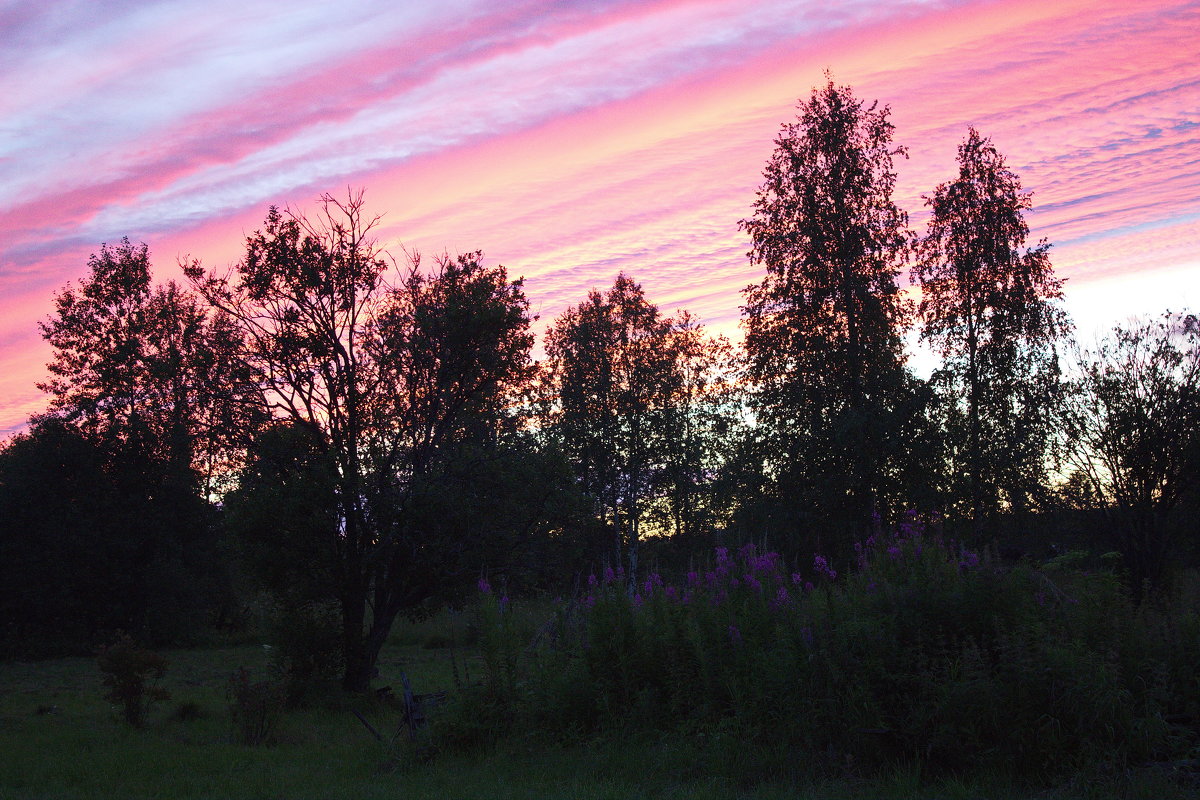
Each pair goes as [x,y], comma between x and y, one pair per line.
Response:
[306,649]
[254,707]
[131,675]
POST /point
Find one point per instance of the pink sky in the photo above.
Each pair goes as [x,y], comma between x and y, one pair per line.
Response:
[572,140]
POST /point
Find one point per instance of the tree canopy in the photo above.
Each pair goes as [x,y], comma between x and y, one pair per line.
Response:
[989,307]
[824,328]
[385,376]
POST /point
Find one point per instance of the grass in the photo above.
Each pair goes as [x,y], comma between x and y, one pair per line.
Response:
[60,739]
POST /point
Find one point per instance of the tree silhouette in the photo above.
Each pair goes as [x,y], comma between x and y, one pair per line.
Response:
[701,424]
[988,307]
[386,378]
[823,329]
[136,366]
[1131,425]
[611,375]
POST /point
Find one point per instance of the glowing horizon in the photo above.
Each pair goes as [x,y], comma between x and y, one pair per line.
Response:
[573,140]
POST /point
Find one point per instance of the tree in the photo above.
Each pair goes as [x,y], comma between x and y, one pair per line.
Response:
[823,329]
[1131,425]
[609,383]
[701,423]
[131,406]
[136,367]
[989,308]
[385,378]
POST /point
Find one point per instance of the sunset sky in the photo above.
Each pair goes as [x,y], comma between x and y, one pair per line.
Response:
[572,140]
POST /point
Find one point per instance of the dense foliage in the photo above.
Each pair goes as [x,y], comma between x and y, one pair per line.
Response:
[824,329]
[921,650]
[990,309]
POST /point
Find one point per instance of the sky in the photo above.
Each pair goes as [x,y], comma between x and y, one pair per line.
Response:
[573,140]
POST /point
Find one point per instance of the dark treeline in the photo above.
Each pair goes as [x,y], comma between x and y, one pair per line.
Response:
[357,439]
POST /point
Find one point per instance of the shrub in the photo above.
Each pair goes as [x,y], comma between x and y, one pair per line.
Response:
[254,707]
[306,651]
[131,675]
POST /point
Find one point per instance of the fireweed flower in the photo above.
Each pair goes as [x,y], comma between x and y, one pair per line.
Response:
[797,578]
[822,567]
[894,552]
[484,586]
[609,575]
[693,578]
[592,580]
[671,592]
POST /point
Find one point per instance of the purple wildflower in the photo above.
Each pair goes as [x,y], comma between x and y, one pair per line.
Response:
[592,580]
[822,567]
[484,586]
[609,575]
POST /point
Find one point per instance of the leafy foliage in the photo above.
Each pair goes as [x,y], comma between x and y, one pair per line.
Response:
[131,674]
[254,707]
[639,404]
[385,380]
[823,329]
[921,650]
[1132,435]
[142,368]
[90,544]
[989,308]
